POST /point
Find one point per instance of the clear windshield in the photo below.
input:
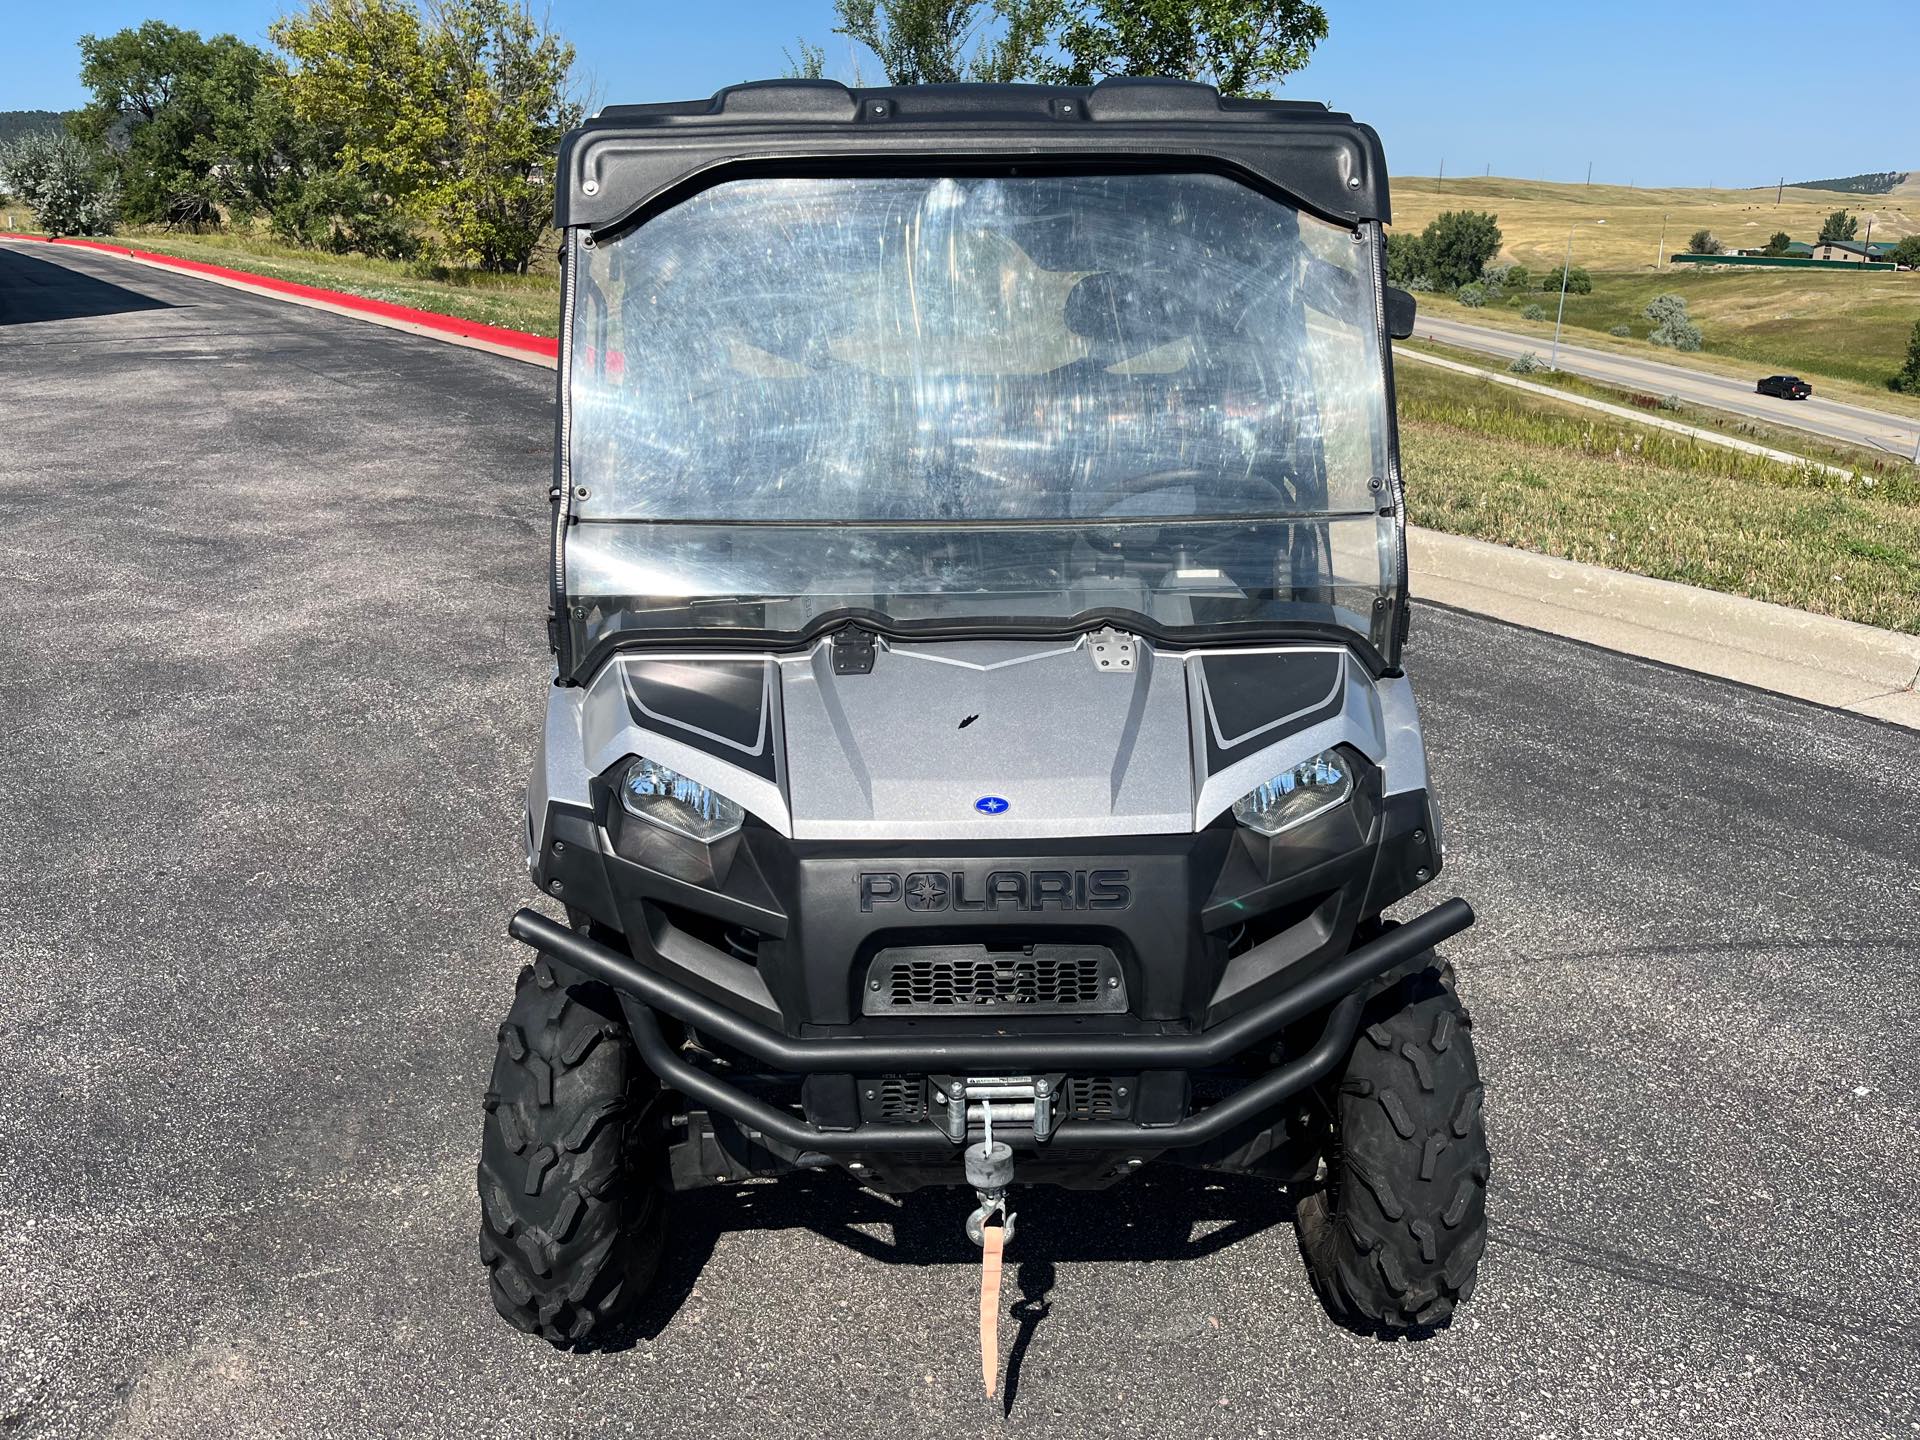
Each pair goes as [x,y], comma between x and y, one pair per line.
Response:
[981,400]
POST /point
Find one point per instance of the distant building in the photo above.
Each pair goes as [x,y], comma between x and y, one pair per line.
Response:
[1799,250]
[1847,250]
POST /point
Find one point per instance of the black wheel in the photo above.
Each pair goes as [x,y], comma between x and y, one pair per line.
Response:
[572,1176]
[1394,1238]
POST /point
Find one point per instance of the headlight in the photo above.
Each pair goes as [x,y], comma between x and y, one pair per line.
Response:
[663,797]
[1296,795]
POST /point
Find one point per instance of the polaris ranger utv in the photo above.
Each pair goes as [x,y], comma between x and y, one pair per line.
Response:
[979,753]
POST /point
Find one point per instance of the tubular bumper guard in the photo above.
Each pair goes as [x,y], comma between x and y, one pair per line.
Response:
[1339,986]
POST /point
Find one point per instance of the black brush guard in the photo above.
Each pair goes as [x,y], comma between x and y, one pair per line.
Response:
[1338,989]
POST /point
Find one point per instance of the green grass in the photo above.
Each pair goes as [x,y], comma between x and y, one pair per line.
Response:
[1863,459]
[1489,462]
[1846,332]
[519,302]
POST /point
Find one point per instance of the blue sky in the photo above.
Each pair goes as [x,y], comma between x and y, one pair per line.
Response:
[1664,93]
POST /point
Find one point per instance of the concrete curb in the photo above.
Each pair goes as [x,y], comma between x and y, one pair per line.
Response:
[1772,647]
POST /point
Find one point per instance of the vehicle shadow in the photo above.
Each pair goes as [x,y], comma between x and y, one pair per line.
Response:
[33,290]
[1164,1214]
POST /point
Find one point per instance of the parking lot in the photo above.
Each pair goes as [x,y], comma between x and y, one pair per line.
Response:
[272,662]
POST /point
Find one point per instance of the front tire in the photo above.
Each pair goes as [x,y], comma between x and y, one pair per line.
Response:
[1394,1240]
[572,1175]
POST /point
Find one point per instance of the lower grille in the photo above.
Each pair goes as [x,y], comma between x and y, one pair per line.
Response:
[902,1099]
[1091,1097]
[1036,980]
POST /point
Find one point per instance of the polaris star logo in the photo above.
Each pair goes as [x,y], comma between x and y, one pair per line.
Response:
[923,891]
[991,805]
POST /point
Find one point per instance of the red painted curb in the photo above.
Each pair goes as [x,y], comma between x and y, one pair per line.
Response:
[541,345]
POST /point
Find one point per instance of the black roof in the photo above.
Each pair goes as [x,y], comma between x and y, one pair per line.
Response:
[629,157]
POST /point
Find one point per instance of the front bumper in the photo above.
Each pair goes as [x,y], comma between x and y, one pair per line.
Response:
[1338,989]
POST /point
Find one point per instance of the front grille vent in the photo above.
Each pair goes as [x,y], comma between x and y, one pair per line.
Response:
[1091,1097]
[1035,980]
[902,1099]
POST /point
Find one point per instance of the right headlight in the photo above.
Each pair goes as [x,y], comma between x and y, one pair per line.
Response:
[1295,796]
[651,792]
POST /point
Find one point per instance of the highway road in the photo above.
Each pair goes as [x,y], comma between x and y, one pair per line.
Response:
[272,663]
[1818,415]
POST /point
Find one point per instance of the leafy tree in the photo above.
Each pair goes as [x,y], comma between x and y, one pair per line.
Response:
[447,119]
[809,64]
[1907,252]
[942,42]
[1671,325]
[1457,245]
[1840,225]
[1778,243]
[1701,242]
[1406,260]
[70,190]
[1908,379]
[1473,296]
[186,121]
[1242,47]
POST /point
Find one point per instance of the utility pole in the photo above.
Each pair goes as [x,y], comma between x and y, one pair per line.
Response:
[1589,172]
[1866,245]
[1778,191]
[1441,183]
[1660,254]
[1565,266]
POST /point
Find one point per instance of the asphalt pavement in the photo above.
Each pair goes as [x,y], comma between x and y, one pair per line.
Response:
[1818,415]
[272,663]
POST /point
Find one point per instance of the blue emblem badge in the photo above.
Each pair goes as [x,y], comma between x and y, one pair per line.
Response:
[991,805]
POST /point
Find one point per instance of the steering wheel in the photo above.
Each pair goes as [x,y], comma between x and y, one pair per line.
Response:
[1257,490]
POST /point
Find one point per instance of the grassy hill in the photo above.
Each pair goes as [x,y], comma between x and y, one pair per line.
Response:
[1535,215]
[1846,330]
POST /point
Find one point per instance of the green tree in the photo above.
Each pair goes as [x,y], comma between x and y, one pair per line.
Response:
[186,121]
[1701,242]
[1908,379]
[1457,245]
[447,119]
[71,191]
[1778,243]
[1241,47]
[1406,259]
[1907,252]
[1840,225]
[942,42]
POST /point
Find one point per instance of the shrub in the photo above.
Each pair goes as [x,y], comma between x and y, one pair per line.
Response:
[1702,243]
[1533,312]
[1671,325]
[62,181]
[1778,243]
[1420,285]
[1527,364]
[1908,380]
[1669,402]
[1622,330]
[1472,296]
[1500,279]
[1579,282]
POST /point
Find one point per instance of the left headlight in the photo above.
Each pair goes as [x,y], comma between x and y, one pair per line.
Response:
[1295,796]
[651,792]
